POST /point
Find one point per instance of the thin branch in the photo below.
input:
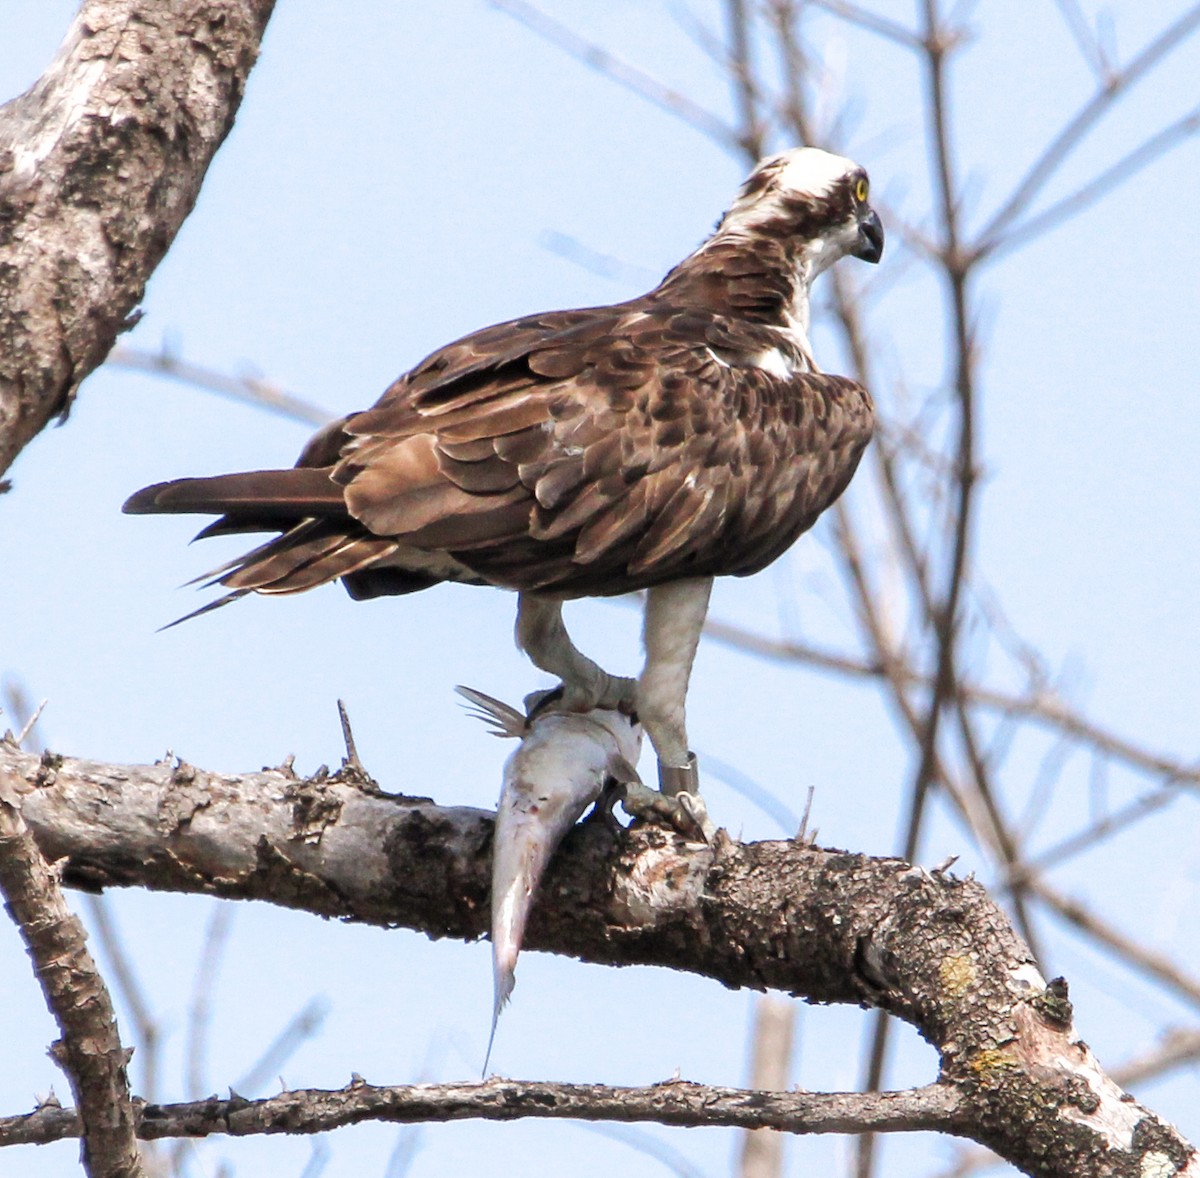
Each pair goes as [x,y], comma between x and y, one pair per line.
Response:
[146,1028]
[770,1070]
[1138,957]
[90,1050]
[251,390]
[1056,152]
[1041,707]
[573,250]
[1094,190]
[793,66]
[630,77]
[1097,832]
[216,937]
[31,723]
[1178,1048]
[871,21]
[945,614]
[318,1159]
[1088,43]
[648,1143]
[299,1029]
[741,71]
[755,793]
[23,714]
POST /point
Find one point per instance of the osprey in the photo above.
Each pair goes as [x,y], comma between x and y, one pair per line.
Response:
[650,445]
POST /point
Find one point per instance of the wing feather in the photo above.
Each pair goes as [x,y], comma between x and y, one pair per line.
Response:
[584,452]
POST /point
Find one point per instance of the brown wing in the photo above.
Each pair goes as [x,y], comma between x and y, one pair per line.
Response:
[634,445]
[584,452]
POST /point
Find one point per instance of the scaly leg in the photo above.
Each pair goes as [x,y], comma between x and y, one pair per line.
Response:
[674,618]
[540,633]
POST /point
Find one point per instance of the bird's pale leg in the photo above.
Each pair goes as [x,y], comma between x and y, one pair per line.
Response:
[674,618]
[541,634]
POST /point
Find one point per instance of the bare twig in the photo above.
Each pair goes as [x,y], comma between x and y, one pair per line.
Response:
[1088,43]
[648,1143]
[742,75]
[1042,708]
[22,712]
[757,794]
[871,21]
[29,725]
[350,762]
[770,1071]
[575,251]
[251,390]
[1097,832]
[216,937]
[1145,960]
[944,616]
[1094,190]
[1073,132]
[299,1029]
[1177,1049]
[624,74]
[129,988]
[318,1159]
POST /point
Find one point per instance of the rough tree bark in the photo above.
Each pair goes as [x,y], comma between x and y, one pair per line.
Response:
[100,162]
[90,1050]
[826,925]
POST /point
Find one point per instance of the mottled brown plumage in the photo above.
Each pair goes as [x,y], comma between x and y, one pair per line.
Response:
[684,434]
[587,452]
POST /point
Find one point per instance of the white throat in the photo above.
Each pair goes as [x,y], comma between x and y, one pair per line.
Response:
[797,315]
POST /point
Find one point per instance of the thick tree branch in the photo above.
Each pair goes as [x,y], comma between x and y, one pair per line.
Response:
[90,1050]
[826,925]
[676,1102]
[100,162]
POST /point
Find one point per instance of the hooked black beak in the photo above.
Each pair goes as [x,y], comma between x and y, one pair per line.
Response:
[870,238]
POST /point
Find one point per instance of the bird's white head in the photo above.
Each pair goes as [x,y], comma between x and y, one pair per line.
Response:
[812,200]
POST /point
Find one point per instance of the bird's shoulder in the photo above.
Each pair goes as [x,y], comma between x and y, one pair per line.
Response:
[655,359]
[603,449]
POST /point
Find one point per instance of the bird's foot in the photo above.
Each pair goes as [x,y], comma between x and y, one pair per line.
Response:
[686,812]
[611,692]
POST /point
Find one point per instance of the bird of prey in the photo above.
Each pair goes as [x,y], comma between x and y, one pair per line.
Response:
[649,445]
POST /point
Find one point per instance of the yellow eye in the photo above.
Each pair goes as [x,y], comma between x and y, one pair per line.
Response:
[860,190]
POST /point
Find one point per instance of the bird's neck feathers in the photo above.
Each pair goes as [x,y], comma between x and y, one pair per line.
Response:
[745,273]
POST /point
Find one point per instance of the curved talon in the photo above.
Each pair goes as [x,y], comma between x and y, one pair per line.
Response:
[688,817]
[676,779]
[693,805]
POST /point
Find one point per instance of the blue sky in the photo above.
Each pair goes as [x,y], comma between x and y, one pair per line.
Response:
[390,184]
